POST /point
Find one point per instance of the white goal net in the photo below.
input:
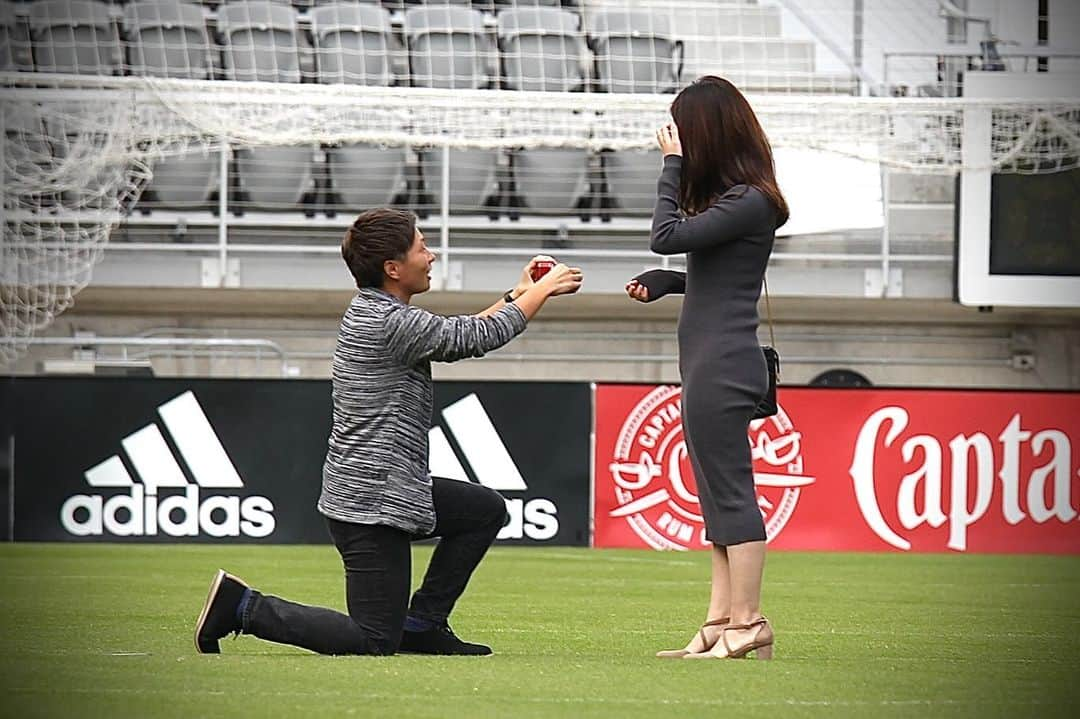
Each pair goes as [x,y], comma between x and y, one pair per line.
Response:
[92,101]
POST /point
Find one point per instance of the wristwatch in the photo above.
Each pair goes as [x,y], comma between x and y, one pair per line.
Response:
[509,296]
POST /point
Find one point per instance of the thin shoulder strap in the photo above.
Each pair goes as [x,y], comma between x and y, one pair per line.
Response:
[768,312]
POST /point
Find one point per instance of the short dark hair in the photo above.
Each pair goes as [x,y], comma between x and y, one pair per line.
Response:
[377,236]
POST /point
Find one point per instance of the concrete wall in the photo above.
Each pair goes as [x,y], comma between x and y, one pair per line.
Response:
[891,342]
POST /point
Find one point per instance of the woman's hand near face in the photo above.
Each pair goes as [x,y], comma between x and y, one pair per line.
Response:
[668,139]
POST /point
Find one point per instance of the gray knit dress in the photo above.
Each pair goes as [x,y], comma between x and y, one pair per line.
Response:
[720,361]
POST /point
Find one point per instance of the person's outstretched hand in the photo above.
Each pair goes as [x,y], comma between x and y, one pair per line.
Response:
[562,280]
[637,291]
[526,281]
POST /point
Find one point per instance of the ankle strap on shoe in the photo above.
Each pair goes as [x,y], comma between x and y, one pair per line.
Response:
[760,621]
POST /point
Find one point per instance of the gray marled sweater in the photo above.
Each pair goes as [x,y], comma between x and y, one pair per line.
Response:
[376,469]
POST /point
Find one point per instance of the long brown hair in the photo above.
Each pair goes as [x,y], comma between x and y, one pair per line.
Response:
[723,145]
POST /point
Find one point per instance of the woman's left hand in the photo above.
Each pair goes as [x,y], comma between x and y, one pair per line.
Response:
[637,291]
[668,139]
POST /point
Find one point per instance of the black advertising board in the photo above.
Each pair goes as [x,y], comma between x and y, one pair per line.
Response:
[528,440]
[179,460]
[133,459]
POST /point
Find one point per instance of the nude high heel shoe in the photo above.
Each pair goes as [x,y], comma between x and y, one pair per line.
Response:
[761,642]
[705,643]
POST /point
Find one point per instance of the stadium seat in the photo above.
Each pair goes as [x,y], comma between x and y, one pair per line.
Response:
[9,25]
[275,178]
[635,51]
[542,49]
[551,181]
[449,48]
[364,176]
[630,177]
[15,53]
[352,44]
[25,147]
[474,182]
[190,181]
[71,147]
[506,4]
[300,5]
[75,36]
[168,38]
[79,37]
[261,43]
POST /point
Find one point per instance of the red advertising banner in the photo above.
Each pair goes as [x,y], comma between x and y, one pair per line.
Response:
[855,470]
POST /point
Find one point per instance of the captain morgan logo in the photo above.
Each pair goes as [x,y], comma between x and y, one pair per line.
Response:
[654,483]
[183,510]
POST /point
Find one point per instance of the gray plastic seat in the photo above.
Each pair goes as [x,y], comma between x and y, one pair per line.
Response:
[168,38]
[473,179]
[631,180]
[527,3]
[298,4]
[15,52]
[8,29]
[551,180]
[353,44]
[274,178]
[635,51]
[542,49]
[261,43]
[448,47]
[64,134]
[188,181]
[26,153]
[75,36]
[365,176]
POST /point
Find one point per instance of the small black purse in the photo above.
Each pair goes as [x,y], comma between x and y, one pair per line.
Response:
[766,407]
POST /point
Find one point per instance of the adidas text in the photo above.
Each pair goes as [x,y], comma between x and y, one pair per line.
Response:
[176,515]
[534,518]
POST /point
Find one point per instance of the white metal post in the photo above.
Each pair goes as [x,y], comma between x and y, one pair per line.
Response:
[444,230]
[223,213]
[885,246]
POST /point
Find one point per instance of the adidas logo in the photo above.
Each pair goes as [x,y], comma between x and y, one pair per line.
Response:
[486,455]
[142,512]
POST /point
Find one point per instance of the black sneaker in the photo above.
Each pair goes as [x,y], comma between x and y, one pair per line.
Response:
[440,640]
[218,617]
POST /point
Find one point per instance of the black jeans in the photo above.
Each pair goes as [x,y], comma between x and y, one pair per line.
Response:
[378,575]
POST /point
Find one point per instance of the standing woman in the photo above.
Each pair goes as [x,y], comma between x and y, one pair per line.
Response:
[719,203]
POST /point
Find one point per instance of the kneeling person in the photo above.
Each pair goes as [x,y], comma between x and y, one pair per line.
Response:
[377,493]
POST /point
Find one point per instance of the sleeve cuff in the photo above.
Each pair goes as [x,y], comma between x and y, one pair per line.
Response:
[516,317]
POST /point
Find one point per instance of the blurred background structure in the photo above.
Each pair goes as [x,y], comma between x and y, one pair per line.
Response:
[178,175]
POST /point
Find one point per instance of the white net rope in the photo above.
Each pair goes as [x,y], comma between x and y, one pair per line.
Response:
[77,154]
[97,97]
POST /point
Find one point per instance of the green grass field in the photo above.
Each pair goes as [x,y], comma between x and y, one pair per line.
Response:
[106,631]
